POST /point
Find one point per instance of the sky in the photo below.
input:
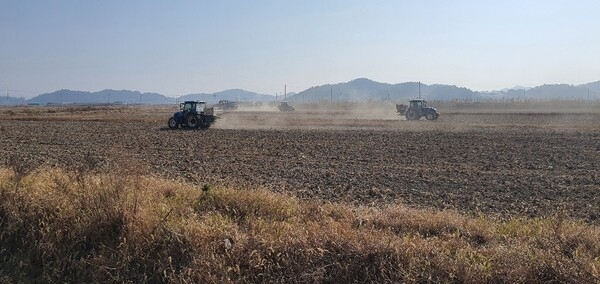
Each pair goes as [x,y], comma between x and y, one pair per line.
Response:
[183,47]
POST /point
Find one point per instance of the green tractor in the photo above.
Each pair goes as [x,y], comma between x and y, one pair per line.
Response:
[192,114]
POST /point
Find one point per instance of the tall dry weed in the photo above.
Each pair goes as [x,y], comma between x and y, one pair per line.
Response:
[60,226]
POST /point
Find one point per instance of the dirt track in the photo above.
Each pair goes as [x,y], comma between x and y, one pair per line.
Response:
[531,164]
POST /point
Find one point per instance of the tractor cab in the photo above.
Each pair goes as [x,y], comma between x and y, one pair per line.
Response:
[418,103]
[192,106]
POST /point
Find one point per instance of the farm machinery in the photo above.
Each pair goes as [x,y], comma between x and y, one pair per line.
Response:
[417,109]
[192,114]
[285,107]
[226,105]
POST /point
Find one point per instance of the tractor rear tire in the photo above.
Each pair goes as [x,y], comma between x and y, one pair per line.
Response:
[173,123]
[431,116]
[411,115]
[193,121]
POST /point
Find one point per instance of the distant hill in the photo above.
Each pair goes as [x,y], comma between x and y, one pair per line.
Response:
[135,97]
[594,86]
[101,97]
[361,89]
[556,91]
[550,92]
[365,89]
[515,88]
[237,95]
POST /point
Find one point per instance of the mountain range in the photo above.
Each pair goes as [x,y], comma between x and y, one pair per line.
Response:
[100,97]
[238,95]
[364,89]
[361,89]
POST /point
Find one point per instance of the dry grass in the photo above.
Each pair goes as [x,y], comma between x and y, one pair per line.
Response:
[61,226]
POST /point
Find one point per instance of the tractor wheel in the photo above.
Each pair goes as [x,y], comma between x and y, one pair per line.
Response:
[431,116]
[411,115]
[193,121]
[173,123]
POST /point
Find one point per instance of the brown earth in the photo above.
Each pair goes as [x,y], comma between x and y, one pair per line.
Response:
[505,163]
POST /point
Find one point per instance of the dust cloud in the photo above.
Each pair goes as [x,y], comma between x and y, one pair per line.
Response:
[455,115]
[309,116]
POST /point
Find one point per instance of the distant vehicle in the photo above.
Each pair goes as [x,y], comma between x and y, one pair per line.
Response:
[226,105]
[416,109]
[192,114]
[285,107]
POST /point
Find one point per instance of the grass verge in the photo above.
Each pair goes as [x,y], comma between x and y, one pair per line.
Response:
[61,226]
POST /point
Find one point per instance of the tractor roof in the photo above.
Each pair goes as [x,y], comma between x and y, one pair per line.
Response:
[190,102]
[417,100]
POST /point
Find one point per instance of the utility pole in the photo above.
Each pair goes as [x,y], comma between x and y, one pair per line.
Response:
[7,96]
[285,92]
[419,90]
[331,95]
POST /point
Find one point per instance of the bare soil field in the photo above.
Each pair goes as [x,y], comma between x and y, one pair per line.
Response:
[502,162]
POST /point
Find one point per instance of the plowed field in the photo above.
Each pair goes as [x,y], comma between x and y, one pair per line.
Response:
[500,163]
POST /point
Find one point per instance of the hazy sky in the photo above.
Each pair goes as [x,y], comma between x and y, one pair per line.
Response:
[182,47]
